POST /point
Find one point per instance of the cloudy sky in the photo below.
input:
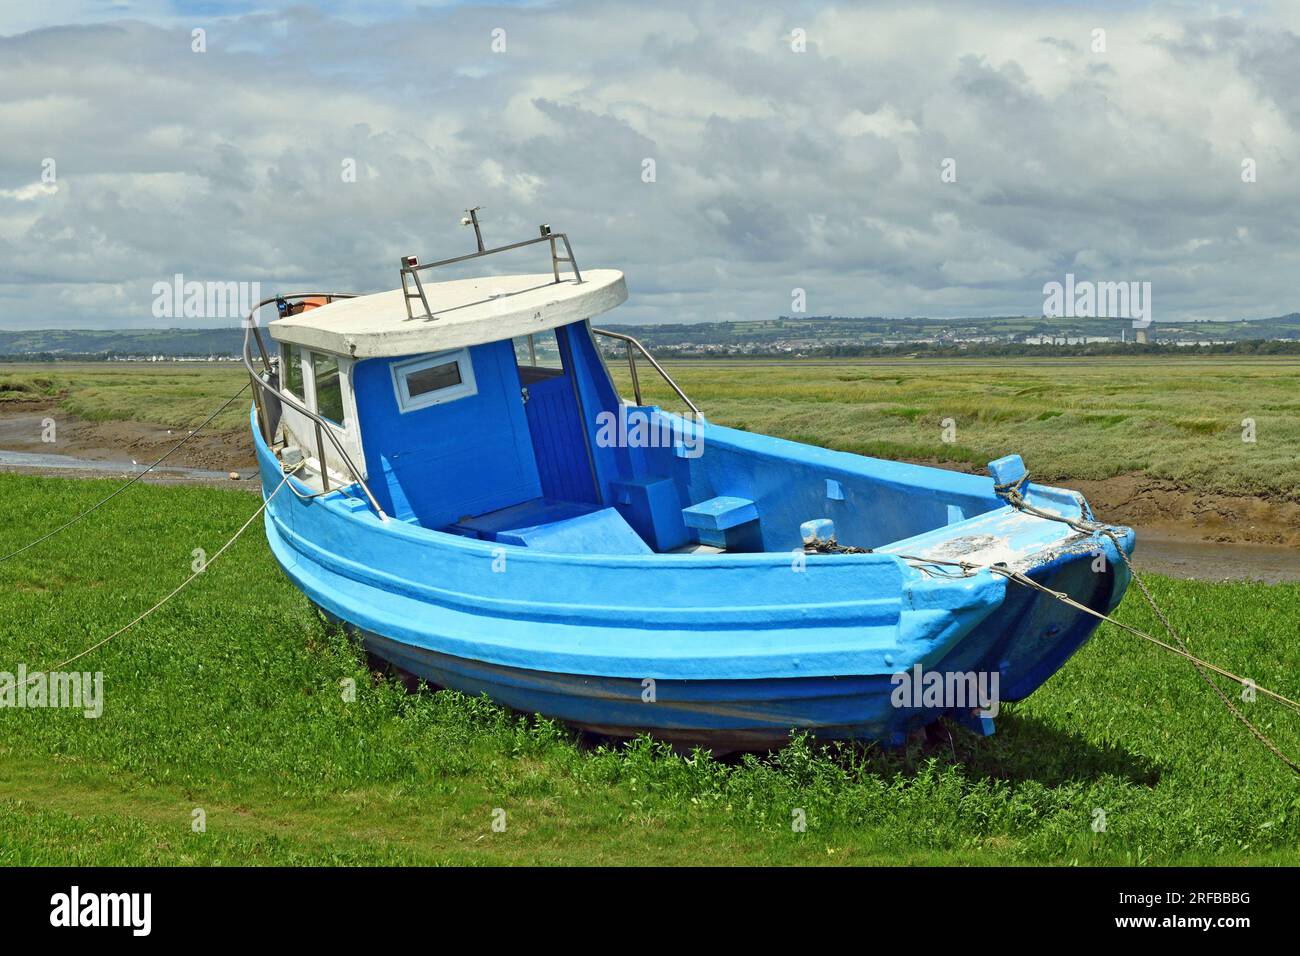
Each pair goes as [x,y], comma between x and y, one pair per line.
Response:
[801,145]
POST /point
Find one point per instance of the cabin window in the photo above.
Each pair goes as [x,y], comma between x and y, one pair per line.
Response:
[291,370]
[433,379]
[329,390]
[538,356]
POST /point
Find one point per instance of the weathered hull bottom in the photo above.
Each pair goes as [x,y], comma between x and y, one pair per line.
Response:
[1026,643]
[754,714]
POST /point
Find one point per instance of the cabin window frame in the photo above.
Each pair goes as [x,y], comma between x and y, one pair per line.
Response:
[298,427]
[465,388]
[287,353]
[348,426]
[310,357]
[540,366]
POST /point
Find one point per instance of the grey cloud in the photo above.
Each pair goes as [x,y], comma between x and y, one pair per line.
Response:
[775,169]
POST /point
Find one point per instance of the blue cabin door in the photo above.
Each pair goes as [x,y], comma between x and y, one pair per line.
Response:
[550,394]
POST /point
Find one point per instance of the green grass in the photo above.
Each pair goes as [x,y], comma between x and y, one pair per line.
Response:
[169,394]
[229,700]
[26,388]
[1171,418]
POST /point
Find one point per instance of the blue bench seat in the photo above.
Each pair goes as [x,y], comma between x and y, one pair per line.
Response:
[565,527]
[720,514]
[726,522]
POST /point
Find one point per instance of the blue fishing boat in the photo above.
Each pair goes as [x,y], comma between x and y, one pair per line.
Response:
[454,475]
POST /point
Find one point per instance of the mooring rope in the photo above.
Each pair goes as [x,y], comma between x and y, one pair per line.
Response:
[177,590]
[1012,492]
[99,504]
[967,568]
[1023,579]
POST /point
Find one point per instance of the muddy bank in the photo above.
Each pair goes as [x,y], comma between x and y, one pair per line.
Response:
[1167,510]
[116,443]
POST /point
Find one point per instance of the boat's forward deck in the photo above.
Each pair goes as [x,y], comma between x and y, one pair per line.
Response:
[1005,536]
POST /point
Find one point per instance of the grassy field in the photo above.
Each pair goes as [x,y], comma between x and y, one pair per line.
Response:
[1178,419]
[229,700]
[172,394]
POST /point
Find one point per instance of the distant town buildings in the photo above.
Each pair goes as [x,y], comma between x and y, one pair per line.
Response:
[171,358]
[785,336]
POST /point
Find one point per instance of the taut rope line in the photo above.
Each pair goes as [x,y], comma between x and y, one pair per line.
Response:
[1011,492]
[98,644]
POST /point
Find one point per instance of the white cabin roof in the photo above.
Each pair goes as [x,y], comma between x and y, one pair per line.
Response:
[464,312]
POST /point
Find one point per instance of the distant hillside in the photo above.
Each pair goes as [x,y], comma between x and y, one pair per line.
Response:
[822,335]
[134,343]
[790,336]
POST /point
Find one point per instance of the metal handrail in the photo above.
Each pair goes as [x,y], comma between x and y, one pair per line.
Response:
[253,331]
[410,268]
[630,342]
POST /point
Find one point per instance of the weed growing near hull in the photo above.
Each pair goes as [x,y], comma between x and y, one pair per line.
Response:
[232,699]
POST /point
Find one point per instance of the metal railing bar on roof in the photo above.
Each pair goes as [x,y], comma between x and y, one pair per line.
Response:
[411,269]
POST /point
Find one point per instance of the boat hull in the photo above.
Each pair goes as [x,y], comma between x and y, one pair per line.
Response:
[730,651]
[761,714]
[757,714]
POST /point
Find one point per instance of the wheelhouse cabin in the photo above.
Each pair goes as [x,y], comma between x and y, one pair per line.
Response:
[478,419]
